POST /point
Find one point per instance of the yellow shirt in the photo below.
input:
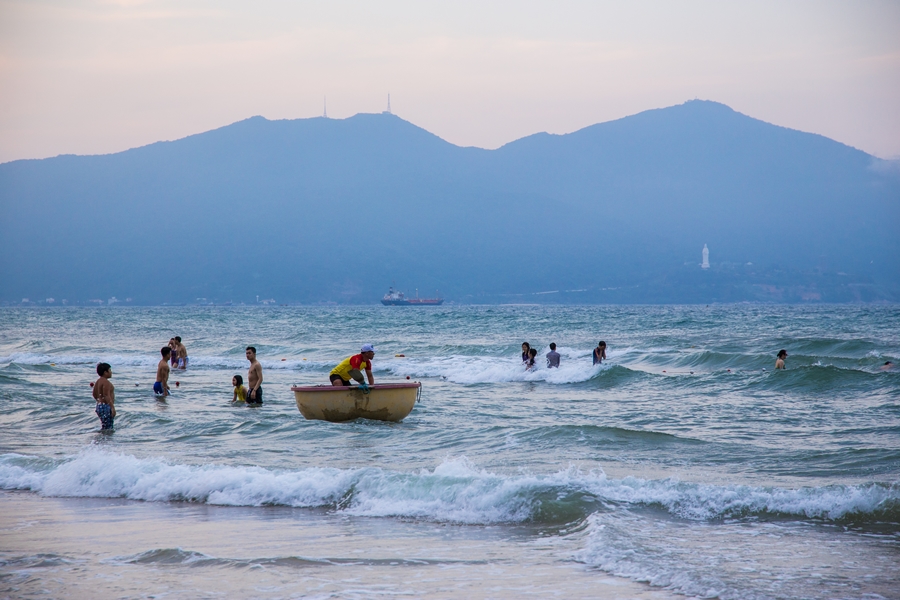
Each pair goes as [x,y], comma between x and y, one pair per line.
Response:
[241,393]
[355,362]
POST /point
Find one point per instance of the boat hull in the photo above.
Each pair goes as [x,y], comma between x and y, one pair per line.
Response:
[385,402]
[414,302]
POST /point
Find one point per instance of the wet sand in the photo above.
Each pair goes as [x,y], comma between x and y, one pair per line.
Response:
[97,548]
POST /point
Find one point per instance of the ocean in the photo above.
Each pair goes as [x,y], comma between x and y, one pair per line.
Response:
[684,465]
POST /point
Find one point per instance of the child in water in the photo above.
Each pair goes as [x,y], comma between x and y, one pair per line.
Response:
[240,392]
[529,364]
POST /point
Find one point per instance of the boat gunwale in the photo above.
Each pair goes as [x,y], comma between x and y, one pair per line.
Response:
[344,388]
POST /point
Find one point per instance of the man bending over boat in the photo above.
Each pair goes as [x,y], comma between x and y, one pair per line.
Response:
[353,366]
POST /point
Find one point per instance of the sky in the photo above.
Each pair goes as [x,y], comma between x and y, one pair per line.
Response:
[93,77]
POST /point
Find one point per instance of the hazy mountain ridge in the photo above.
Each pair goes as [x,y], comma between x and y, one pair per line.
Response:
[335,210]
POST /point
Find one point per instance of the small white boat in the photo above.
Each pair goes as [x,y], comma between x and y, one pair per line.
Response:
[382,402]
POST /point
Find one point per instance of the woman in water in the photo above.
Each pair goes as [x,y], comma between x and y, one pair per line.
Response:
[599,353]
[525,348]
[779,362]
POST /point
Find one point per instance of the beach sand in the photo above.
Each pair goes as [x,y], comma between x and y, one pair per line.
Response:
[101,548]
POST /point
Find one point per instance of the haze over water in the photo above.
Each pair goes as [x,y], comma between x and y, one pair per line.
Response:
[683,464]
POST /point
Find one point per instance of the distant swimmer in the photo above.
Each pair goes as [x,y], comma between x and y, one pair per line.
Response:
[532,355]
[182,354]
[553,357]
[161,387]
[779,362]
[240,392]
[254,378]
[599,353]
[525,354]
[887,366]
[105,395]
[352,368]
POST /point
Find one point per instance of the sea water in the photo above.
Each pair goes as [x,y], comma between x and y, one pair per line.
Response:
[684,464]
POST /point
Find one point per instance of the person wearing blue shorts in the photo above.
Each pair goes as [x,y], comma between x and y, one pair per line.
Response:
[105,395]
[161,387]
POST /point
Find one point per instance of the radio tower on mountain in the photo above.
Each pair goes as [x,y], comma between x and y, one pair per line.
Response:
[324,107]
[388,111]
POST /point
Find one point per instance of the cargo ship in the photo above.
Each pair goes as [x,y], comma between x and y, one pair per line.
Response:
[393,298]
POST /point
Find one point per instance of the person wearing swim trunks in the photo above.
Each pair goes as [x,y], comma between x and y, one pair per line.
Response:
[254,378]
[161,387]
[105,395]
[182,354]
[352,368]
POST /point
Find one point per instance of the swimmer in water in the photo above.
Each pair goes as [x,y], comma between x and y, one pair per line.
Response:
[599,353]
[779,362]
[105,395]
[161,387]
[525,348]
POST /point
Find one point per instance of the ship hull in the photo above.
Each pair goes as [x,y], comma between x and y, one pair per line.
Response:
[414,302]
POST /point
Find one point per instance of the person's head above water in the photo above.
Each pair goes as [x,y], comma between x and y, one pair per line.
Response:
[250,352]
[525,346]
[552,346]
[103,369]
[601,344]
[782,354]
[177,338]
[532,352]
[165,351]
[237,380]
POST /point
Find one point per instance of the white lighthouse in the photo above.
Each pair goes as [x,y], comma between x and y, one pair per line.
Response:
[705,264]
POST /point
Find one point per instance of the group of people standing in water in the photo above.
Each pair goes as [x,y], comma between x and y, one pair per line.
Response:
[529,355]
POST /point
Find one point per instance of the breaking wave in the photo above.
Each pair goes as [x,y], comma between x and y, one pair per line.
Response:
[454,491]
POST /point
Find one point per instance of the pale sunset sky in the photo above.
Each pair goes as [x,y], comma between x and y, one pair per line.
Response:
[90,77]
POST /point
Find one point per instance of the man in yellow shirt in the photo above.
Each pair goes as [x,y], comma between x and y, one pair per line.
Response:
[353,366]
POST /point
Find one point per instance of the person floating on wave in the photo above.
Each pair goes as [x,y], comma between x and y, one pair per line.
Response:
[161,387]
[525,348]
[254,378]
[182,354]
[240,392]
[553,357]
[600,352]
[532,354]
[779,362]
[887,366]
[352,368]
[105,395]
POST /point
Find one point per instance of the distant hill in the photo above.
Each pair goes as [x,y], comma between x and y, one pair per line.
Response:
[323,210]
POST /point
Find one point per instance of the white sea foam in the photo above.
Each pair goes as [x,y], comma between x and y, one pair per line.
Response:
[454,491]
[575,367]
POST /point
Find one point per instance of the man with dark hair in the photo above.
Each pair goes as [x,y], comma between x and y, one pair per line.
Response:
[254,378]
[105,395]
[553,357]
[181,353]
[161,387]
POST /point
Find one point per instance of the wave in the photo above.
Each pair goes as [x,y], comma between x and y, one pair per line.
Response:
[575,367]
[454,491]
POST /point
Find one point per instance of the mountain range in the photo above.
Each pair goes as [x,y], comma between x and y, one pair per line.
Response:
[326,210]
